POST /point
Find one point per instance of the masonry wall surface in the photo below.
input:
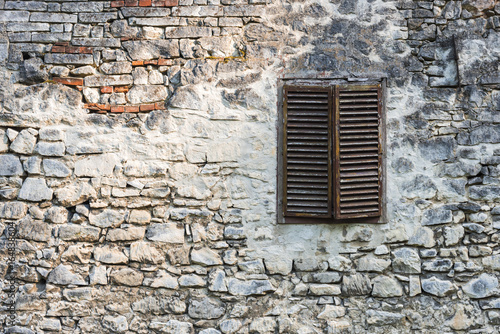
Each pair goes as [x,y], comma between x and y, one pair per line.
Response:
[138,161]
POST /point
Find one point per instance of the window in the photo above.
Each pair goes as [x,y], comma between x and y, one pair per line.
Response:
[332,146]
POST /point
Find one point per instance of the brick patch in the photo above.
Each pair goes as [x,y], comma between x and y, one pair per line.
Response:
[69,81]
[144,3]
[103,108]
[71,49]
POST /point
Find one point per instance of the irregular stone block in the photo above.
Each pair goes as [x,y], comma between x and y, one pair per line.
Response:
[278,266]
[484,286]
[437,216]
[14,16]
[191,280]
[123,67]
[484,193]
[145,50]
[372,263]
[127,276]
[108,80]
[98,275]
[339,263]
[147,94]
[54,17]
[10,165]
[164,280]
[145,12]
[356,285]
[217,281]
[68,59]
[110,255]
[50,149]
[126,234]
[438,287]
[24,143]
[324,290]
[406,260]
[78,254]
[140,217]
[51,134]
[384,286]
[187,32]
[383,318]
[13,210]
[207,308]
[63,275]
[55,168]
[57,215]
[34,230]
[115,324]
[206,257]
[107,218]
[238,287]
[172,327]
[424,237]
[79,233]
[35,190]
[145,252]
[96,17]
[169,233]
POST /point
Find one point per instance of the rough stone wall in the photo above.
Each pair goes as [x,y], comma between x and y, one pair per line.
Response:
[138,160]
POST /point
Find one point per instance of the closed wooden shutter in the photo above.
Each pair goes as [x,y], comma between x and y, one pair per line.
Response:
[307,154]
[358,153]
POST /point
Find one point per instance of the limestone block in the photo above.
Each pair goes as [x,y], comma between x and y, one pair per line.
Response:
[324,289]
[217,281]
[110,255]
[107,218]
[24,143]
[453,235]
[14,16]
[484,286]
[51,325]
[438,287]
[108,80]
[117,324]
[437,216]
[172,327]
[98,275]
[4,141]
[164,280]
[68,59]
[339,263]
[424,237]
[147,94]
[35,190]
[238,287]
[385,286]
[51,134]
[117,68]
[77,254]
[372,263]
[75,193]
[73,232]
[264,325]
[35,230]
[169,233]
[330,312]
[145,11]
[356,285]
[252,267]
[229,326]
[191,280]
[383,318]
[152,49]
[145,252]
[13,210]
[206,257]
[126,234]
[278,265]
[406,260]
[127,276]
[140,217]
[63,275]
[10,165]
[55,168]
[83,71]
[206,308]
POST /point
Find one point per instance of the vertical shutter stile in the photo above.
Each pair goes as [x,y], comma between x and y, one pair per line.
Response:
[358,153]
[307,152]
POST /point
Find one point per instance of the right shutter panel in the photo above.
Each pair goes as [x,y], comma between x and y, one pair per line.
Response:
[307,156]
[358,151]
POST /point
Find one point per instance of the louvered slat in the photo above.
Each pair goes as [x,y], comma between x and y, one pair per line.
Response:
[307,153]
[358,152]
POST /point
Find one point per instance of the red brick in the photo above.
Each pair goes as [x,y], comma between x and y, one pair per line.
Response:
[132,109]
[163,62]
[91,106]
[124,39]
[145,3]
[106,89]
[115,4]
[69,81]
[171,3]
[79,88]
[158,3]
[104,107]
[147,107]
[121,89]
[151,62]
[100,111]
[85,50]
[131,3]
[137,62]
[58,49]
[117,108]
[72,49]
[160,106]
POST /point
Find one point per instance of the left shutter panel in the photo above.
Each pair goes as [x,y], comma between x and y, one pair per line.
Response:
[307,154]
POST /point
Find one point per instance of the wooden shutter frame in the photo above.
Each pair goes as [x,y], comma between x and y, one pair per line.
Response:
[348,216]
[287,219]
[286,89]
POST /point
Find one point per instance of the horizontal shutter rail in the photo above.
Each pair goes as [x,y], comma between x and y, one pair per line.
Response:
[358,152]
[307,152]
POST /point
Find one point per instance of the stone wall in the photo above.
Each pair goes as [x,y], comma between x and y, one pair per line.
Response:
[138,160]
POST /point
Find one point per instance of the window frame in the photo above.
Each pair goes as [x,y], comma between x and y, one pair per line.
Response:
[334,85]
